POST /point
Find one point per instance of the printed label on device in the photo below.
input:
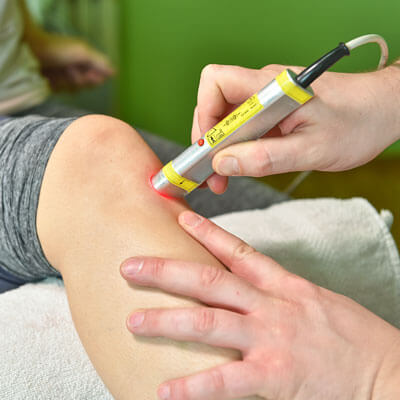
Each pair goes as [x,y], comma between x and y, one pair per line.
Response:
[233,121]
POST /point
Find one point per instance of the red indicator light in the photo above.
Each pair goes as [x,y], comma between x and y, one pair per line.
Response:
[200,142]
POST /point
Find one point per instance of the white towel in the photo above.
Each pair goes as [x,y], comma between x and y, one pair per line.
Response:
[40,352]
[342,245]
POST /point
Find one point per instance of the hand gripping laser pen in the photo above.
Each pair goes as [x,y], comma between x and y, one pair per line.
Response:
[251,120]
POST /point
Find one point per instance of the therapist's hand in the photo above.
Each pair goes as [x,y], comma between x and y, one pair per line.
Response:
[298,341]
[352,118]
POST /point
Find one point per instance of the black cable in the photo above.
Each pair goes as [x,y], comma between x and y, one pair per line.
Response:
[308,76]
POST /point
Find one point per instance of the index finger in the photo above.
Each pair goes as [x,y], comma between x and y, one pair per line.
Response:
[222,87]
[211,285]
[238,256]
[217,184]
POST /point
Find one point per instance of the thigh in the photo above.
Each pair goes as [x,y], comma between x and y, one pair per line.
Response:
[25,146]
[96,209]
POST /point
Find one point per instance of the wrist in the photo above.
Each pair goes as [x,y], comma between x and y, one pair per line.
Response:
[387,383]
[388,95]
[38,40]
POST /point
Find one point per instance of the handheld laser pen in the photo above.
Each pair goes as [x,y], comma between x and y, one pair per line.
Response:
[251,120]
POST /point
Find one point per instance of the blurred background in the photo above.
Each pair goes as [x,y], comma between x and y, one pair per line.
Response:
[160,47]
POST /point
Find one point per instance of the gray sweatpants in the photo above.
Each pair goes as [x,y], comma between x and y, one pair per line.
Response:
[26,143]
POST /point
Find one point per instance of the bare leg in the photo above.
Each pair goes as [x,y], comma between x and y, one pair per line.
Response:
[96,209]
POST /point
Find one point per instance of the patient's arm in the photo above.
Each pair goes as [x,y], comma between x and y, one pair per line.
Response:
[96,209]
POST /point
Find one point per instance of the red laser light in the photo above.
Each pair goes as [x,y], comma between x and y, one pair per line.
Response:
[161,194]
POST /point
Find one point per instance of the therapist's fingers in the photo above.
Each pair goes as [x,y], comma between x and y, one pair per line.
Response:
[217,184]
[229,381]
[238,256]
[269,155]
[212,285]
[196,133]
[224,86]
[212,326]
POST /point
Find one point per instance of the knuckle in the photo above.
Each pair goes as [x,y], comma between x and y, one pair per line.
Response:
[156,269]
[242,251]
[273,67]
[151,320]
[204,320]
[302,288]
[278,331]
[262,159]
[315,154]
[208,232]
[211,276]
[179,390]
[217,380]
[209,70]
[285,126]
[281,365]
[284,330]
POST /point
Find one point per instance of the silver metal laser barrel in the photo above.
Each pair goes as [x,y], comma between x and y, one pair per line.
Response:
[194,165]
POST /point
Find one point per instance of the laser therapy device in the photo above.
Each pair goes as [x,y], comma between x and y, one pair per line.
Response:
[251,120]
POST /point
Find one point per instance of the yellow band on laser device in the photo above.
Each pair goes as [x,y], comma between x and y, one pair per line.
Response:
[177,180]
[291,89]
[232,122]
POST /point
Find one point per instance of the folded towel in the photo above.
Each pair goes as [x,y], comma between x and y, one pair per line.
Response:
[40,352]
[342,245]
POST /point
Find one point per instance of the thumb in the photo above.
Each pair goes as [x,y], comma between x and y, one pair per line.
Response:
[267,156]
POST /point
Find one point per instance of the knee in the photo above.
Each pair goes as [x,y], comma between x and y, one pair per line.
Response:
[102,159]
[99,171]
[99,134]
[97,149]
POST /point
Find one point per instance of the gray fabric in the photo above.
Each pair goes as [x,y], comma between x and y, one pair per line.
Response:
[26,142]
[25,147]
[19,69]
[8,281]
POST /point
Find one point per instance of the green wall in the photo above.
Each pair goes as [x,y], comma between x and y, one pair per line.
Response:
[165,44]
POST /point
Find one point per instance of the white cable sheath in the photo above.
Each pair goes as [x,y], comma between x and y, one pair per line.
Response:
[352,44]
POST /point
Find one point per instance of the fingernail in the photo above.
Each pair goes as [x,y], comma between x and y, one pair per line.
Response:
[132,267]
[164,392]
[228,166]
[192,219]
[136,320]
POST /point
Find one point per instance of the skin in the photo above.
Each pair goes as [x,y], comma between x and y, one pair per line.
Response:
[88,187]
[96,208]
[298,341]
[352,119]
[96,183]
